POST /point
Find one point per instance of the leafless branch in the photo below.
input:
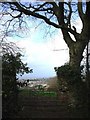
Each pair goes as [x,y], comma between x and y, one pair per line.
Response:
[80,11]
[49,9]
[9,47]
[70,13]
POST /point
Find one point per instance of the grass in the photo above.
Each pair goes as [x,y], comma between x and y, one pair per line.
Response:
[45,93]
[26,92]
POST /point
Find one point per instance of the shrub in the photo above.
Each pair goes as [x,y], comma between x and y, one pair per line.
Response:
[71,79]
[68,73]
[11,66]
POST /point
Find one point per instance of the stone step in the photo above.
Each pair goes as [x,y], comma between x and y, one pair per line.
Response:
[39,99]
[42,103]
[46,113]
[44,108]
[41,107]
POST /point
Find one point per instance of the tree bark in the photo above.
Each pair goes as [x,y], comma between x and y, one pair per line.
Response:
[76,48]
[76,54]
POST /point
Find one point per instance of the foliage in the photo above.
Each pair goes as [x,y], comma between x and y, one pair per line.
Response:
[11,65]
[13,62]
[70,82]
[67,72]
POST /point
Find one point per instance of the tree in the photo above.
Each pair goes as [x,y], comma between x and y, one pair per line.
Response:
[59,15]
[11,66]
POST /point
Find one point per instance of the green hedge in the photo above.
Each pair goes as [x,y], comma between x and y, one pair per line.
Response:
[72,80]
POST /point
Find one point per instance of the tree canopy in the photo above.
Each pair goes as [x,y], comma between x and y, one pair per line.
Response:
[59,14]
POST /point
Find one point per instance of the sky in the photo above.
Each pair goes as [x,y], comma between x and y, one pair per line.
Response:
[42,56]
[43,53]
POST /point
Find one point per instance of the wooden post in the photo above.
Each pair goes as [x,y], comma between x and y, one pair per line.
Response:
[87,77]
[87,65]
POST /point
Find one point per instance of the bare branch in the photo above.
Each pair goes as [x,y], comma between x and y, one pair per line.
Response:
[67,38]
[70,13]
[38,9]
[28,12]
[57,10]
[9,47]
[17,16]
[80,11]
[88,10]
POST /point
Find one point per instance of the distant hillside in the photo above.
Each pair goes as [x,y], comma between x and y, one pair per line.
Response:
[51,82]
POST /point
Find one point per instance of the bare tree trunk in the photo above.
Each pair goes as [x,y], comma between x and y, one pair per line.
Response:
[76,55]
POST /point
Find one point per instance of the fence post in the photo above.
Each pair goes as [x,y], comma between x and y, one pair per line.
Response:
[87,76]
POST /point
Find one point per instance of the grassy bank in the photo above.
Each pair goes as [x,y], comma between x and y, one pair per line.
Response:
[26,92]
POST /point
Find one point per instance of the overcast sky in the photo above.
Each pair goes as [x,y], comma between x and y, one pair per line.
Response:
[43,54]
[42,57]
